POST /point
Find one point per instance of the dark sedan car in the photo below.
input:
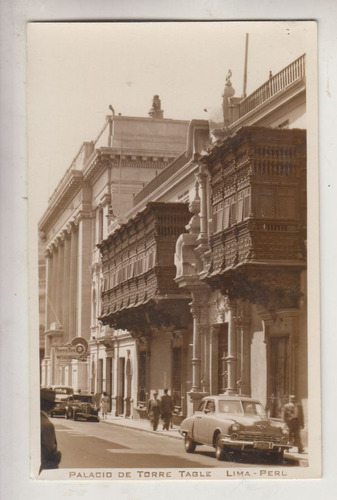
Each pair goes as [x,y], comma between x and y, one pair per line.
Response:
[62,394]
[235,425]
[81,407]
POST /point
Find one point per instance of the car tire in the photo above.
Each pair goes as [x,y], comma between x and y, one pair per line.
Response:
[220,453]
[277,456]
[190,445]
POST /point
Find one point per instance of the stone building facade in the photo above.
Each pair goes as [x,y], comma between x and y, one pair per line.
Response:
[183,255]
[237,321]
[96,191]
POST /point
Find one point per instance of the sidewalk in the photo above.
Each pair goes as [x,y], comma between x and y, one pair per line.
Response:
[144,425]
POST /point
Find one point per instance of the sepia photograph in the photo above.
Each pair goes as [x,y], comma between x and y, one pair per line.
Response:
[173,250]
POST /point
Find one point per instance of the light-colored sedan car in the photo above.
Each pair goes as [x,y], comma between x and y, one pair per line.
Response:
[235,425]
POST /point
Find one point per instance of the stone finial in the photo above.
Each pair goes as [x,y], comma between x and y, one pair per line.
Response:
[228,92]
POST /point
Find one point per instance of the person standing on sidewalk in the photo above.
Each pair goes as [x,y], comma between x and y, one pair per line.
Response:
[166,409]
[153,410]
[105,400]
[293,417]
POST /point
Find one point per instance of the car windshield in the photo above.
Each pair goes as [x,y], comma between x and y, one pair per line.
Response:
[227,406]
[253,408]
[83,398]
[242,407]
[61,393]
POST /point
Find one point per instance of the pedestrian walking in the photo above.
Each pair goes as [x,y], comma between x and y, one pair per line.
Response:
[293,417]
[105,400]
[50,455]
[153,410]
[166,410]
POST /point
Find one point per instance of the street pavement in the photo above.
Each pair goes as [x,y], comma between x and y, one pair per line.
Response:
[121,442]
[145,426]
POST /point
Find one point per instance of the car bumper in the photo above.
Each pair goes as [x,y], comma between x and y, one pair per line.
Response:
[86,416]
[255,445]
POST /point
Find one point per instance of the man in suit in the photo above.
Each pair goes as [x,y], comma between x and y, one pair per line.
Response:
[293,417]
[153,410]
[166,409]
[50,455]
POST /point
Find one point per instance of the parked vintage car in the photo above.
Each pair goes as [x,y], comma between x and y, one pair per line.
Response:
[62,393]
[235,425]
[81,406]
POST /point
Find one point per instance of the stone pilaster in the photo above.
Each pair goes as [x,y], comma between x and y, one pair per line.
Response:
[59,291]
[73,281]
[84,277]
[231,359]
[202,181]
[65,286]
[48,313]
[244,333]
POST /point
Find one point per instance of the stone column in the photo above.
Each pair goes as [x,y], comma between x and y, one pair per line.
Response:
[84,278]
[73,281]
[202,179]
[59,296]
[65,287]
[243,324]
[232,351]
[196,360]
[48,313]
[214,346]
[52,296]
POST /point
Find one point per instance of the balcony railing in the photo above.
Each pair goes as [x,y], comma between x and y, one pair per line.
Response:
[295,71]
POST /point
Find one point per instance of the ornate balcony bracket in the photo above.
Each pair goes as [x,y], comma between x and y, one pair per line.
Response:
[142,321]
[271,287]
[107,341]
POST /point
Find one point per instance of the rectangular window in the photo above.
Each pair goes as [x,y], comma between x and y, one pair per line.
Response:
[218,217]
[246,203]
[240,206]
[226,213]
[232,212]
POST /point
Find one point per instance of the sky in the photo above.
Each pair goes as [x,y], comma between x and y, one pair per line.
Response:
[76,70]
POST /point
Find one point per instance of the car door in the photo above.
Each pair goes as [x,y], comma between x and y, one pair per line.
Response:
[204,422]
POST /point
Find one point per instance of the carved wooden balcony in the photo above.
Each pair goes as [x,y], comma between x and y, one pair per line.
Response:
[258,186]
[139,292]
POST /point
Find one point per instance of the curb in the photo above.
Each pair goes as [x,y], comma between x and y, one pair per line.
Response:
[149,431]
[302,462]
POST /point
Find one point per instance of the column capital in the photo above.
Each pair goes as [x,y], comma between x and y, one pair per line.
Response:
[48,253]
[201,178]
[82,215]
[72,226]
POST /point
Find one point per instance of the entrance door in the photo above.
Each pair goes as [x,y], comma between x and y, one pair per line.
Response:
[128,387]
[278,374]
[142,378]
[222,354]
[121,387]
[108,379]
[176,376]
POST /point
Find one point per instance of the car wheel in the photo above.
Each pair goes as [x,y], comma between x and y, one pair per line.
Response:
[277,456]
[190,445]
[220,453]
